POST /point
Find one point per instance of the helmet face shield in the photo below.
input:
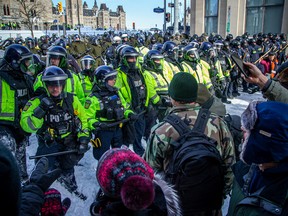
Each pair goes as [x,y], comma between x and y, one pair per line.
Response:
[110,76]
[26,63]
[218,46]
[212,53]
[57,56]
[103,74]
[192,55]
[54,81]
[55,89]
[87,64]
[158,62]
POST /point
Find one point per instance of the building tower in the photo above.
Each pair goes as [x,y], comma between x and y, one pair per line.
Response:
[74,11]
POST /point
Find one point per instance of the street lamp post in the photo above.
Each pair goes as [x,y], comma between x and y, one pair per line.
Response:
[164,25]
[78,14]
[46,26]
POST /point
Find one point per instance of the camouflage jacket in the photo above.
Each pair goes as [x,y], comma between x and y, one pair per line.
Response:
[158,152]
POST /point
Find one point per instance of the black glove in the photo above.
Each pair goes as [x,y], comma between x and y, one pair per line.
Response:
[40,175]
[227,79]
[133,116]
[159,103]
[83,147]
[166,102]
[45,104]
[101,125]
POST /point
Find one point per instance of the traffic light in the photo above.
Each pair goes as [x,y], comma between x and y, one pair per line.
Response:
[167,17]
[133,25]
[60,7]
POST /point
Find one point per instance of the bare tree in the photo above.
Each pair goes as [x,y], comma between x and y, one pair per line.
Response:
[30,10]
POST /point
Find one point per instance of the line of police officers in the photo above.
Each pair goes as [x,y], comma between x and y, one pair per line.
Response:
[107,105]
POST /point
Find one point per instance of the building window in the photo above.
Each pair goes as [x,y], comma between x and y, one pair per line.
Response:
[8,10]
[211,16]
[4,9]
[259,13]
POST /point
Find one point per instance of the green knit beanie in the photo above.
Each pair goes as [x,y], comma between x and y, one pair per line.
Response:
[183,87]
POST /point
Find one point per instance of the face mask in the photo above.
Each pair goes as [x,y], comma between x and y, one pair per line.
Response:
[132,65]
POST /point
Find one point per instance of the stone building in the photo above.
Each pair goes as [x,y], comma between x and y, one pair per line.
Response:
[103,17]
[41,13]
[76,14]
[238,16]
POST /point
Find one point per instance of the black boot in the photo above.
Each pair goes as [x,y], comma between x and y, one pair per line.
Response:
[224,100]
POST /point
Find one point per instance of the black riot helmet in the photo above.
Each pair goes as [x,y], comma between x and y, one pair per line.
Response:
[195,44]
[128,52]
[60,42]
[190,53]
[19,40]
[30,43]
[18,57]
[54,77]
[168,48]
[150,61]
[103,74]
[57,52]
[206,47]
[157,46]
[88,64]
[218,44]
[118,51]
[229,37]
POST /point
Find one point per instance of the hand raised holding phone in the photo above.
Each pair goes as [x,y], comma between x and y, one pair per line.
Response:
[239,62]
[255,75]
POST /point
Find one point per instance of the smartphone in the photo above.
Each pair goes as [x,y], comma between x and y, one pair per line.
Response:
[239,62]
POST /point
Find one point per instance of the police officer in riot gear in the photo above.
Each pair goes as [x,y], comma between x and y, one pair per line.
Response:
[171,63]
[73,64]
[209,54]
[88,65]
[60,122]
[57,56]
[226,66]
[133,85]
[16,89]
[153,68]
[106,110]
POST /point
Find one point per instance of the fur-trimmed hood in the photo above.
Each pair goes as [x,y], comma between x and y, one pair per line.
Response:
[170,194]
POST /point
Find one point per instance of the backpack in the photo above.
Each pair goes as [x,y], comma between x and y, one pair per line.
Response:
[234,125]
[195,168]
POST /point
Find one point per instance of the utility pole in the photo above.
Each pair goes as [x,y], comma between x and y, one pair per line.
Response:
[78,14]
[65,20]
[184,24]
[164,17]
[176,16]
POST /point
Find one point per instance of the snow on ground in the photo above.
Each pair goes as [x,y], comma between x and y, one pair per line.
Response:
[85,172]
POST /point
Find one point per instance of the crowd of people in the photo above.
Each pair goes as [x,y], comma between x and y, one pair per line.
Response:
[112,91]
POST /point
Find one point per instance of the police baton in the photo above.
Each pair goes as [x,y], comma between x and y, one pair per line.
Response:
[53,154]
[109,125]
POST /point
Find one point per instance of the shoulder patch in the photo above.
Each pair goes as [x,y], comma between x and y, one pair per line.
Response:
[76,112]
[87,104]
[27,105]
